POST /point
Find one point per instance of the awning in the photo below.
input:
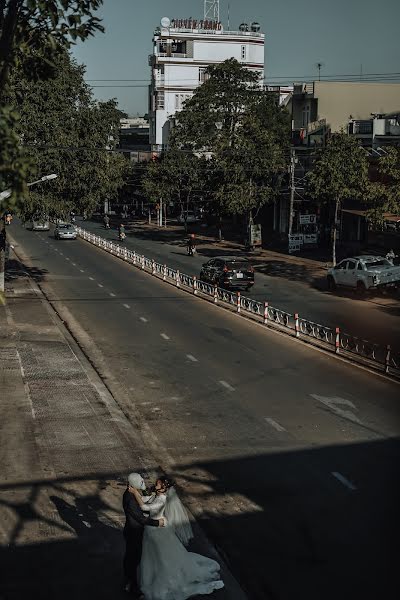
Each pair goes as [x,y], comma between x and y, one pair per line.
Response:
[363,213]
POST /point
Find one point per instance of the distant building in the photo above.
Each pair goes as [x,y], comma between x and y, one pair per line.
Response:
[182,51]
[321,107]
[376,132]
[134,135]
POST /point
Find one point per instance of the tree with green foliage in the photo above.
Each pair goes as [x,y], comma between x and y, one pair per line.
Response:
[340,173]
[389,169]
[32,33]
[244,132]
[175,176]
[64,131]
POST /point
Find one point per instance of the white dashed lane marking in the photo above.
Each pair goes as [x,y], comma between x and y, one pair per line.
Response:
[126,305]
[91,278]
[143,319]
[73,264]
[66,258]
[81,270]
[227,386]
[100,285]
[164,335]
[343,480]
[191,357]
[274,424]
[112,295]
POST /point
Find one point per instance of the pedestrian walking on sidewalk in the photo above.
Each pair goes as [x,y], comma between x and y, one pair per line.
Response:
[133,532]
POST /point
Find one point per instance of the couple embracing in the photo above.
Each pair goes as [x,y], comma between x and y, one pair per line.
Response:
[157,564]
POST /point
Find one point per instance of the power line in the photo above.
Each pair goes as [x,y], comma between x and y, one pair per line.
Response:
[276,77]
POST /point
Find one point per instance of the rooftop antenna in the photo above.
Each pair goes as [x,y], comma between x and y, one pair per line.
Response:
[319,66]
[211,10]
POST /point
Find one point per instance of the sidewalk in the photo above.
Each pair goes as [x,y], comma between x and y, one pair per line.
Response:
[65,449]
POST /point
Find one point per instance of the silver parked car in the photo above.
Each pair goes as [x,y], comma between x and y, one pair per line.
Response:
[40,224]
[65,231]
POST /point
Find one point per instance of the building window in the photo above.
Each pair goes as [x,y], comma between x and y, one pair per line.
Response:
[180,99]
[243,52]
[203,75]
[306,115]
[160,101]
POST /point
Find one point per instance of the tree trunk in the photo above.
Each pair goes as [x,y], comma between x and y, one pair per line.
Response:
[335,232]
[3,241]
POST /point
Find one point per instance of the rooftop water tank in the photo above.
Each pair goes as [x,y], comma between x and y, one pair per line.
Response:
[255,26]
[243,27]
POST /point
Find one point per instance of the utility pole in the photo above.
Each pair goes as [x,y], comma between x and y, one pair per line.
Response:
[292,188]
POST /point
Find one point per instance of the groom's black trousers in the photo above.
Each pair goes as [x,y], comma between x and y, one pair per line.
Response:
[133,555]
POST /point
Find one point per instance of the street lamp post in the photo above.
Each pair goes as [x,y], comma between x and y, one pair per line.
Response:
[3,238]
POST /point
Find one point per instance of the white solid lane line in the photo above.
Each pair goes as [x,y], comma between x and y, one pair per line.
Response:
[227,386]
[126,305]
[274,424]
[112,295]
[164,335]
[343,480]
[191,357]
[143,319]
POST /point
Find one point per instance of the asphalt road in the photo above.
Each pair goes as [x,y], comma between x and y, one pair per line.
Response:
[292,455]
[375,319]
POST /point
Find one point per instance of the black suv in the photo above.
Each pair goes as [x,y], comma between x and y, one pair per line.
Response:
[228,271]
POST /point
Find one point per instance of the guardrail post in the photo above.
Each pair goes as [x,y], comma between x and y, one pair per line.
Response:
[194,284]
[215,293]
[337,340]
[238,302]
[134,257]
[153,266]
[387,359]
[178,279]
[125,254]
[265,313]
[165,272]
[296,324]
[142,261]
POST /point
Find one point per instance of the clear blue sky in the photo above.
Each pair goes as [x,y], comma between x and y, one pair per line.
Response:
[343,34]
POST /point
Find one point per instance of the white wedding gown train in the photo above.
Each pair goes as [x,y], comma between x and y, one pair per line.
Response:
[168,571]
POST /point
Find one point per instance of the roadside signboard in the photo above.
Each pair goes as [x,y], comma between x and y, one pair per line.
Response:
[255,235]
[295,242]
[308,219]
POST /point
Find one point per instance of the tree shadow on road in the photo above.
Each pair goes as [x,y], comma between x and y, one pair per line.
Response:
[16,269]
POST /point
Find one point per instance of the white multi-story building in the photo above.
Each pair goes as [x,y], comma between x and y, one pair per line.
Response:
[182,50]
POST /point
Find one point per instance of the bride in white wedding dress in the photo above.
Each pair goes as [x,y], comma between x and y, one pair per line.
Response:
[168,571]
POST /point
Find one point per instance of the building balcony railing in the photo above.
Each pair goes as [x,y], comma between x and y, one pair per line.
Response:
[173,55]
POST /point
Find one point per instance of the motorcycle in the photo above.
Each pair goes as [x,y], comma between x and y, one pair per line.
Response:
[122,236]
[191,250]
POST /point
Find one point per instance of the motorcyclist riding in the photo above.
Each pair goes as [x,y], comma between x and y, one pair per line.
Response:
[191,247]
[121,231]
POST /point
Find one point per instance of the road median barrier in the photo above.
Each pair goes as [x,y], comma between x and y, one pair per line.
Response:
[378,358]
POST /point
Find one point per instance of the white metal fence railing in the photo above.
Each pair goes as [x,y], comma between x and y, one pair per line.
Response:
[378,357]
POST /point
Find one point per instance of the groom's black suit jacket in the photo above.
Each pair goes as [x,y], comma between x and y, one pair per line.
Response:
[135,519]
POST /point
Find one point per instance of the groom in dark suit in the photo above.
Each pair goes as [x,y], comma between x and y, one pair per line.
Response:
[133,532]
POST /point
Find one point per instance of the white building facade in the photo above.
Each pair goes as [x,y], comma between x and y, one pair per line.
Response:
[182,50]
